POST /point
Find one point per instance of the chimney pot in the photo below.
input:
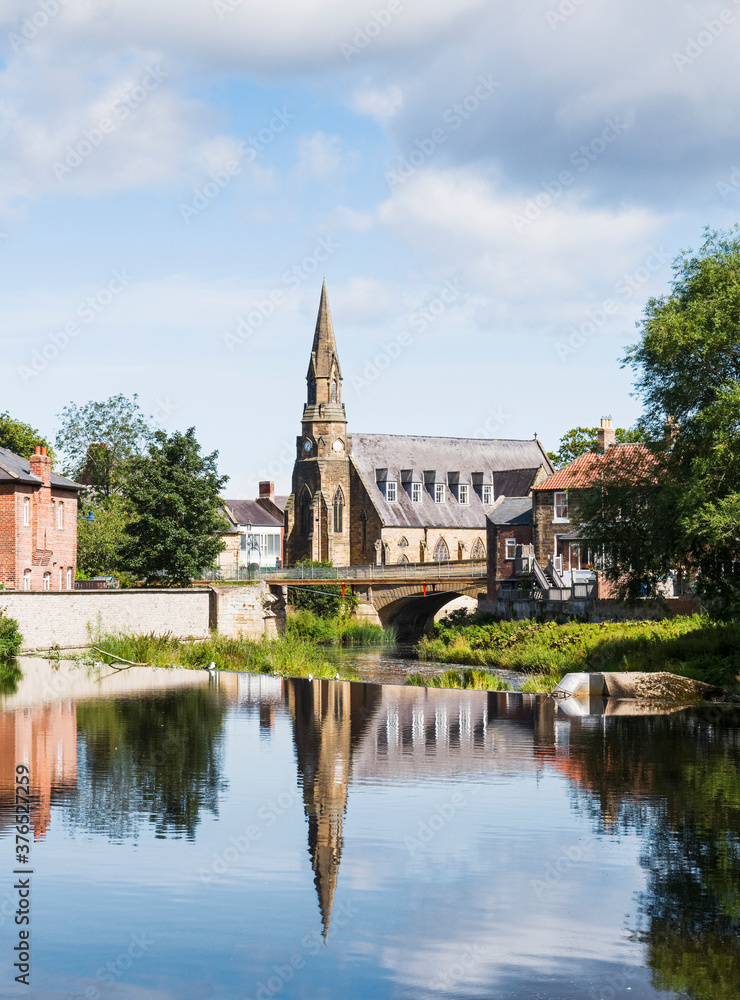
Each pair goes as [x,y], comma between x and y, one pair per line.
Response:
[267,489]
[43,450]
[37,450]
[606,434]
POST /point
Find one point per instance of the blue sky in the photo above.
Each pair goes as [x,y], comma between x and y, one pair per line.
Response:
[492,192]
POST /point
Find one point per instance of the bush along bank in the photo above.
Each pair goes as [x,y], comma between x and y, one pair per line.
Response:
[336,630]
[692,646]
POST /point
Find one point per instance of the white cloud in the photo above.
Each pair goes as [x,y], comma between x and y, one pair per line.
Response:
[379,104]
[319,156]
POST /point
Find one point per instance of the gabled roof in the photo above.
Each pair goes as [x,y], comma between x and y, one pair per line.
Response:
[250,512]
[515,482]
[423,455]
[13,468]
[511,510]
[618,461]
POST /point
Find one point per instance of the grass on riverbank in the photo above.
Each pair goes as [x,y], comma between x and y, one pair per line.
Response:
[336,630]
[690,646]
[477,680]
[286,655]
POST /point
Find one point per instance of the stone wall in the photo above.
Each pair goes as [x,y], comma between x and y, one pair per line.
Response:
[48,618]
[590,611]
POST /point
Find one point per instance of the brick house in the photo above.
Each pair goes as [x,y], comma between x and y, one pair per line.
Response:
[38,524]
[388,498]
[509,525]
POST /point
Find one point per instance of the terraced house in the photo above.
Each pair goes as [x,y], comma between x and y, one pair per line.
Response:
[386,498]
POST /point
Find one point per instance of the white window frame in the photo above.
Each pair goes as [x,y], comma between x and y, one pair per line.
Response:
[47,581]
[391,493]
[463,494]
[439,493]
[69,578]
[61,578]
[60,515]
[558,518]
[487,495]
[510,543]
[26,512]
[26,579]
[416,493]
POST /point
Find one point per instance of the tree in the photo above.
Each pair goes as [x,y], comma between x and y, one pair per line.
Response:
[101,540]
[20,438]
[579,440]
[326,601]
[99,439]
[175,524]
[687,366]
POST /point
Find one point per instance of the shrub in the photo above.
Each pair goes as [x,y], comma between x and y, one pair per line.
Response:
[11,639]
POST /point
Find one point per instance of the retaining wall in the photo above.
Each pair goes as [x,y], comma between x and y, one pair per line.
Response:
[68,618]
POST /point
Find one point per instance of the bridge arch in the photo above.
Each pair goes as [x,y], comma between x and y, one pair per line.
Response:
[411,612]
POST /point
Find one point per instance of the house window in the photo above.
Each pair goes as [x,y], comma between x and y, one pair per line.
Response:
[26,579]
[69,578]
[463,495]
[561,506]
[338,511]
[390,492]
[416,492]
[26,512]
[47,581]
[510,548]
[60,516]
[487,496]
[439,493]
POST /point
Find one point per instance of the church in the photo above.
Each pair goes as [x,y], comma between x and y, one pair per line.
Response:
[360,499]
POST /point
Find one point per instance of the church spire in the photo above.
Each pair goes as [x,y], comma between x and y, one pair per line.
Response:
[324,360]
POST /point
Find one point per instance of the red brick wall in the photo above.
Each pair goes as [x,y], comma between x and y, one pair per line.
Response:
[499,567]
[41,547]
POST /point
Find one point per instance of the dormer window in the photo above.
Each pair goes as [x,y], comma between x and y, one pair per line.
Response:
[390,491]
[463,495]
[439,492]
[416,492]
[487,495]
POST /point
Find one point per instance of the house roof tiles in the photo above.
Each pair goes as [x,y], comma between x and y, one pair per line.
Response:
[250,512]
[586,471]
[13,468]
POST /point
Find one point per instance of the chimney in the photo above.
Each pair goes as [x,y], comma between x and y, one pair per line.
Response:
[41,465]
[607,437]
[267,490]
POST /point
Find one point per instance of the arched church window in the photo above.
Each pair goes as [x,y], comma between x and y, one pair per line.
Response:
[403,542]
[441,552]
[338,511]
[333,390]
[479,550]
[404,559]
[306,511]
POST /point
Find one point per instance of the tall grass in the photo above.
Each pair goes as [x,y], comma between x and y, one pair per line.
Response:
[478,680]
[286,655]
[337,630]
[690,646]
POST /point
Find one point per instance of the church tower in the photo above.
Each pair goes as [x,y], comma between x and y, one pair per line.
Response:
[317,514]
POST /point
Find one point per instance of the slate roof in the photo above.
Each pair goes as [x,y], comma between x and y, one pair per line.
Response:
[511,510]
[621,460]
[281,502]
[14,469]
[249,511]
[421,454]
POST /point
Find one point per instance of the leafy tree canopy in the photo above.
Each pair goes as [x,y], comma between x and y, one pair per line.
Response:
[101,539]
[326,601]
[21,438]
[687,368]
[99,439]
[176,521]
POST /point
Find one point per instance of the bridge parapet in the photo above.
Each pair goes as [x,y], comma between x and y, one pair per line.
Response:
[463,569]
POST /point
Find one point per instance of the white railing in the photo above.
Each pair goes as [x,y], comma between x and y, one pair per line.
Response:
[457,570]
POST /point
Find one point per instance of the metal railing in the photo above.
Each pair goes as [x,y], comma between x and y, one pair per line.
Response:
[464,569]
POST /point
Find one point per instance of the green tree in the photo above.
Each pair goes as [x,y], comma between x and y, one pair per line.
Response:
[579,440]
[685,512]
[21,438]
[175,524]
[326,601]
[98,441]
[102,538]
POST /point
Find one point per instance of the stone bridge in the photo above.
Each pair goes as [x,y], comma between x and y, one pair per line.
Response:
[405,597]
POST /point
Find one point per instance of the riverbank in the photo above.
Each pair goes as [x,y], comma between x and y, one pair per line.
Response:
[689,646]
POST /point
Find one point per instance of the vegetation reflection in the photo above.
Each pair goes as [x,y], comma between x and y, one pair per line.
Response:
[158,755]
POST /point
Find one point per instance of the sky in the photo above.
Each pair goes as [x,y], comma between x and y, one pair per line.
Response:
[491,191]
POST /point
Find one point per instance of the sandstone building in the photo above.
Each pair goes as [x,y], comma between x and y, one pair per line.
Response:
[387,498]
